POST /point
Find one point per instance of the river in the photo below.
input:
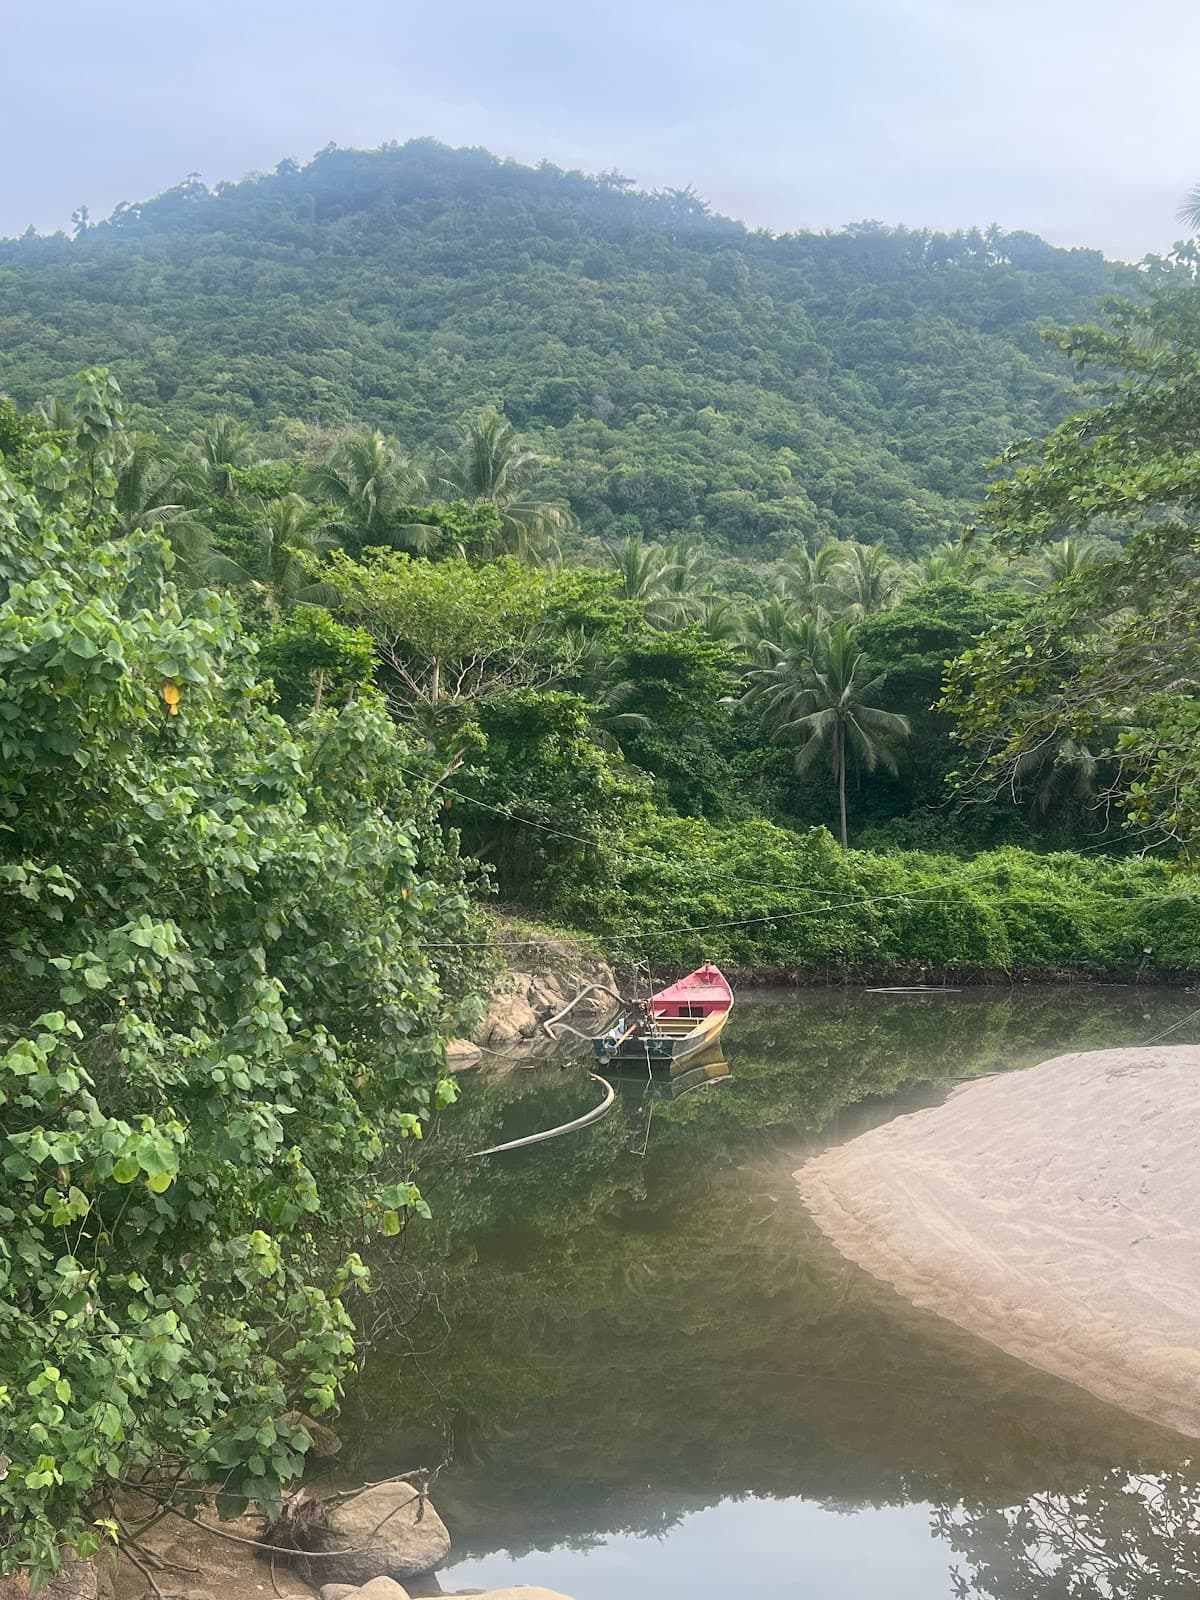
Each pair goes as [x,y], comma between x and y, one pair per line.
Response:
[651,1375]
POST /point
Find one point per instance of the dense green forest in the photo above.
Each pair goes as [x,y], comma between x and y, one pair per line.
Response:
[423,532]
[683,375]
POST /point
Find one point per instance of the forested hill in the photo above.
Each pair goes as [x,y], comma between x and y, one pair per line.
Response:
[686,375]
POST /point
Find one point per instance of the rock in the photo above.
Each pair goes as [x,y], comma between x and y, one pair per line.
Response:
[385,1531]
[381,1589]
[337,1591]
[461,1054]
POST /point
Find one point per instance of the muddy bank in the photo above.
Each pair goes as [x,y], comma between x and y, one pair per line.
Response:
[1054,1212]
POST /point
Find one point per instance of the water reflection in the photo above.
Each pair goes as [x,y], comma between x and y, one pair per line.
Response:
[625,1330]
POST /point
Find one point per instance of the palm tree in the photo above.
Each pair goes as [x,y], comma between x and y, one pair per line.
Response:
[953,559]
[217,451]
[764,625]
[722,619]
[818,695]
[689,578]
[647,575]
[1189,211]
[373,486]
[492,463]
[867,580]
[150,496]
[290,537]
[810,578]
[1062,561]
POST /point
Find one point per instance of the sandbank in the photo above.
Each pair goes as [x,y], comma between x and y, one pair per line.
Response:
[1054,1212]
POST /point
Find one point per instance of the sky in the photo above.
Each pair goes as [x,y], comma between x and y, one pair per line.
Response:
[1075,119]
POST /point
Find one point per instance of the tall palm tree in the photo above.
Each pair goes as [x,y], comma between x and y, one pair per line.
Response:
[818,695]
[867,580]
[648,575]
[722,619]
[218,450]
[952,559]
[764,625]
[491,462]
[150,496]
[373,486]
[290,538]
[810,577]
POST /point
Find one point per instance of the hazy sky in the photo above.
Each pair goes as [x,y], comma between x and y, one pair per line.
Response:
[1076,119]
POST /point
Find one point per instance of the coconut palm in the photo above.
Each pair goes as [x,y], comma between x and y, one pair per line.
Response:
[492,463]
[1189,211]
[809,578]
[952,560]
[648,575]
[1060,562]
[217,451]
[689,579]
[150,496]
[865,581]
[722,619]
[291,537]
[765,625]
[373,487]
[818,695]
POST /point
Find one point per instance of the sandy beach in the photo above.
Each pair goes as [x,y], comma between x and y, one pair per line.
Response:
[1054,1212]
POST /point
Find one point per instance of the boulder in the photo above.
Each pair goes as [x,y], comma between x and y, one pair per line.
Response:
[387,1531]
[338,1591]
[377,1589]
[462,1054]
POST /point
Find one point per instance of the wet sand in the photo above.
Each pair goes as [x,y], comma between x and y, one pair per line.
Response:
[1054,1212]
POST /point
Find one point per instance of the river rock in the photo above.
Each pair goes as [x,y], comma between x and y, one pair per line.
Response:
[462,1054]
[385,1531]
[338,1591]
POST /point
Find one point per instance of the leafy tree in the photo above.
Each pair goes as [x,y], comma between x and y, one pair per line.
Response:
[819,695]
[313,661]
[219,1017]
[681,375]
[1106,662]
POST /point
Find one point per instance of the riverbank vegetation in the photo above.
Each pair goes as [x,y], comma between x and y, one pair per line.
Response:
[299,671]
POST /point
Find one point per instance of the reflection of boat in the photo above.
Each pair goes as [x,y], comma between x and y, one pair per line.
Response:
[628,1079]
[678,1022]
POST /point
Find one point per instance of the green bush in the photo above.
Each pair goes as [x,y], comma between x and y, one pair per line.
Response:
[756,896]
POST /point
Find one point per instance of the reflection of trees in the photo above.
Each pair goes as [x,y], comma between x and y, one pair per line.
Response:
[1123,1537]
[631,1337]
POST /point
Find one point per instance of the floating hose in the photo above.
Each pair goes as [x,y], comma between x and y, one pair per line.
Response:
[584,1121]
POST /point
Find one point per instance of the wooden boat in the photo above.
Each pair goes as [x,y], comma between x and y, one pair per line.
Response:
[679,1021]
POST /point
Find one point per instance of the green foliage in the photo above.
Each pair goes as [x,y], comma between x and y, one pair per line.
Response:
[310,658]
[760,898]
[679,374]
[1105,665]
[219,1025]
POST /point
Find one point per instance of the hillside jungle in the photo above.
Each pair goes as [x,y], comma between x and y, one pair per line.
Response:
[409,535]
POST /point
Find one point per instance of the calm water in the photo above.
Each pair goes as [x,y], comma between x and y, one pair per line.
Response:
[653,1377]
